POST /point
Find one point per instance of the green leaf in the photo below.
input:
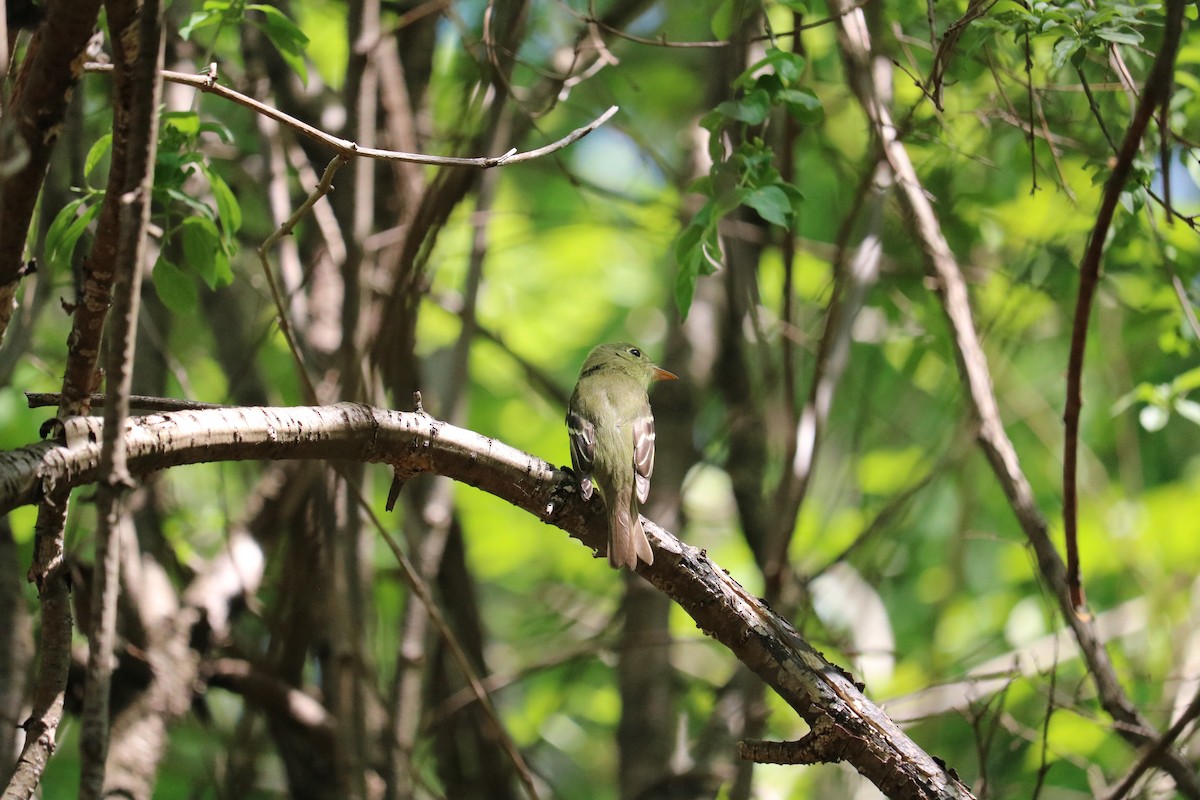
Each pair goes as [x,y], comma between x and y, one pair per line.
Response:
[186,123]
[771,203]
[229,210]
[702,185]
[689,240]
[786,64]
[201,246]
[753,109]
[724,20]
[1118,36]
[222,270]
[697,252]
[186,199]
[288,39]
[97,152]
[685,290]
[1186,381]
[176,290]
[64,232]
[1064,49]
[292,38]
[804,106]
[783,66]
[200,19]
[223,133]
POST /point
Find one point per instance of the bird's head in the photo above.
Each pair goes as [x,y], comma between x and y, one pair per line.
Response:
[625,358]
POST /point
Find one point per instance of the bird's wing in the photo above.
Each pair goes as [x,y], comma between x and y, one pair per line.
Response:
[643,452]
[583,449]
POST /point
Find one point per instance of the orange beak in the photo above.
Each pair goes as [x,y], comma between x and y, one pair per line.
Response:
[661,374]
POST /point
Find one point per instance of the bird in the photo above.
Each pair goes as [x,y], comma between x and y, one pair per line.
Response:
[611,432]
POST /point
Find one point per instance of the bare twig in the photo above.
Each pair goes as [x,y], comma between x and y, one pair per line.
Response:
[348,149]
[1157,749]
[855,275]
[139,401]
[937,77]
[436,502]
[1094,106]
[1158,88]
[140,34]
[662,41]
[423,592]
[285,326]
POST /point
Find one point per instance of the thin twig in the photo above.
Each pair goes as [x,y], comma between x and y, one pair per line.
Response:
[945,49]
[1094,106]
[140,36]
[138,401]
[425,594]
[1157,749]
[323,188]
[207,83]
[1158,86]
[1033,187]
[662,41]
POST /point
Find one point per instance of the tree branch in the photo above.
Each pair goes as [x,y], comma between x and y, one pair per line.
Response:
[207,82]
[1158,88]
[415,443]
[138,29]
[976,378]
[33,117]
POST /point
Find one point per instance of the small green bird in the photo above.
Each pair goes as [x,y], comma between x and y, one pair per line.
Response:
[612,442]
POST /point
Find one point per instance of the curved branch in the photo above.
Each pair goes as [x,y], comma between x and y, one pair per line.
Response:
[207,82]
[853,728]
[1156,93]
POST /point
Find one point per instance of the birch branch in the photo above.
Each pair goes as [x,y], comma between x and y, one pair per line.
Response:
[850,727]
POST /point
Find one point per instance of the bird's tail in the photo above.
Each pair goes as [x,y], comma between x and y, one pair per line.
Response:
[627,540]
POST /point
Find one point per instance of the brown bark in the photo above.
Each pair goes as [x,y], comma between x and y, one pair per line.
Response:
[41,92]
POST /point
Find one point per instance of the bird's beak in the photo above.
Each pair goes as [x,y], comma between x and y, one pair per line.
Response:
[661,374]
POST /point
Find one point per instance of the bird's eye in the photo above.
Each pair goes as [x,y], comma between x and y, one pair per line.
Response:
[633,351]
